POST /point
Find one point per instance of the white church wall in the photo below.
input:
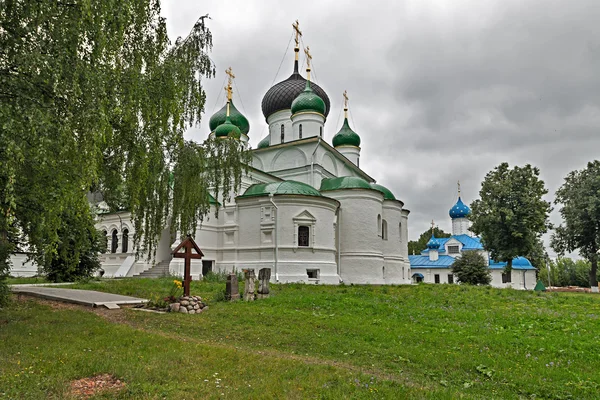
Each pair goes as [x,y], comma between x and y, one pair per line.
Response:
[352,153]
[361,246]
[460,226]
[275,121]
[520,279]
[393,252]
[21,266]
[312,125]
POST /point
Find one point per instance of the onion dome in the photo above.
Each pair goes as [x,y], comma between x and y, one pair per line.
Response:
[308,101]
[459,210]
[281,96]
[236,117]
[387,193]
[280,188]
[344,182]
[433,243]
[346,136]
[266,142]
[227,129]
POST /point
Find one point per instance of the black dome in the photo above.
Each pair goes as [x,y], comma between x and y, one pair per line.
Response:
[281,96]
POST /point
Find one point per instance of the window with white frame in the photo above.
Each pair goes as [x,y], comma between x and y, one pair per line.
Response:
[453,249]
[313,274]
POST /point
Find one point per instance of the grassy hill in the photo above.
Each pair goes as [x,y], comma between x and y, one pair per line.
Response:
[427,341]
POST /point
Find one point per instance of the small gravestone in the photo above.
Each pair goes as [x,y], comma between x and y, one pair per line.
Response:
[264,276]
[250,285]
[232,291]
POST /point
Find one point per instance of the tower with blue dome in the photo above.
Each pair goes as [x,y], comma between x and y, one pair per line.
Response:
[459,214]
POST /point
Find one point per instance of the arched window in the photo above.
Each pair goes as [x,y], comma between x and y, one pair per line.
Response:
[105,238]
[320,131]
[378,224]
[384,234]
[303,232]
[114,245]
[125,244]
[300,131]
[282,133]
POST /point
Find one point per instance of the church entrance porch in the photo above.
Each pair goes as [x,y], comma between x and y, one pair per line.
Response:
[417,278]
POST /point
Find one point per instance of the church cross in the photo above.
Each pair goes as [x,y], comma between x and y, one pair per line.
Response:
[432,226]
[296,26]
[308,57]
[345,104]
[228,88]
[458,188]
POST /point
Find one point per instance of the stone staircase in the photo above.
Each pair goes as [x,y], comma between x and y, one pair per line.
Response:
[158,271]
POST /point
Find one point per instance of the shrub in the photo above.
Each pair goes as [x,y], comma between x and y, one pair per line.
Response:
[470,268]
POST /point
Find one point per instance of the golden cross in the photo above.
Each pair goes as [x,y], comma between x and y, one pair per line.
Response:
[345,99]
[308,57]
[432,226]
[228,88]
[458,188]
[296,26]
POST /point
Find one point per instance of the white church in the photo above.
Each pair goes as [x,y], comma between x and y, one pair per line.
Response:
[306,209]
[434,264]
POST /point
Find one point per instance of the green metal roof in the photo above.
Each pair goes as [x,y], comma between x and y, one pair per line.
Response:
[212,200]
[308,101]
[387,193]
[285,187]
[344,182]
[264,142]
[346,136]
[237,118]
[228,129]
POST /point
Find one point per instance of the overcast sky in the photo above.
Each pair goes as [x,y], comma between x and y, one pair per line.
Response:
[440,91]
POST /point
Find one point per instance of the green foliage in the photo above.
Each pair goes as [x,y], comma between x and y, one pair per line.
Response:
[221,276]
[95,98]
[511,215]
[471,268]
[417,246]
[580,199]
[566,272]
[76,254]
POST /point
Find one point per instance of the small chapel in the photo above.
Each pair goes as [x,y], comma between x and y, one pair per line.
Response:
[306,209]
[434,264]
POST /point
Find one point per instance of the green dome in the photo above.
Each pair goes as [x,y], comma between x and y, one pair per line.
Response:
[265,142]
[344,182]
[285,187]
[346,136]
[387,193]
[237,118]
[308,101]
[227,129]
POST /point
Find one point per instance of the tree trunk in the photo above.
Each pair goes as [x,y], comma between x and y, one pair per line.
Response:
[593,271]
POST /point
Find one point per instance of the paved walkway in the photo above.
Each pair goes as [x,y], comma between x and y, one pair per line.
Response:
[77,296]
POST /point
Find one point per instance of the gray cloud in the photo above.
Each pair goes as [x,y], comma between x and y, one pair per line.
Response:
[440,91]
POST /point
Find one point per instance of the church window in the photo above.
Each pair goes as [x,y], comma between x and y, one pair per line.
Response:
[506,278]
[379,225]
[320,131]
[282,133]
[384,234]
[453,249]
[114,245]
[400,232]
[450,278]
[300,131]
[313,274]
[125,244]
[303,236]
[436,278]
[358,162]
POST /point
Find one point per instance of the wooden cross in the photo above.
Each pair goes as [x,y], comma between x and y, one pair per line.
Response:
[188,244]
[296,26]
[228,88]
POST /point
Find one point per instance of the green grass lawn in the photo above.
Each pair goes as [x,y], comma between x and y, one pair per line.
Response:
[18,280]
[427,341]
